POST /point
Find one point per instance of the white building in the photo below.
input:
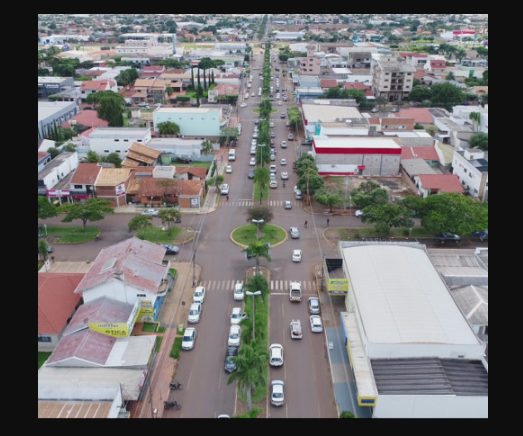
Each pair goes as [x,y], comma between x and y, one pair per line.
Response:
[471,166]
[411,350]
[106,140]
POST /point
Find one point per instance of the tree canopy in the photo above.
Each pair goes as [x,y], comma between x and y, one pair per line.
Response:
[94,209]
[479,140]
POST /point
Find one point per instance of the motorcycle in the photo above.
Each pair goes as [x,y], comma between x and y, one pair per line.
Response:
[172,405]
[175,385]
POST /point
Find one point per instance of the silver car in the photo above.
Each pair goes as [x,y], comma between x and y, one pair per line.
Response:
[294,232]
[277,393]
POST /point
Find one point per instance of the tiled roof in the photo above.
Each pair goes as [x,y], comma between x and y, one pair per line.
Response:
[97,85]
[328,83]
[85,174]
[199,172]
[56,300]
[153,187]
[103,309]
[87,118]
[420,115]
[442,182]
[137,263]
[190,187]
[425,153]
[113,176]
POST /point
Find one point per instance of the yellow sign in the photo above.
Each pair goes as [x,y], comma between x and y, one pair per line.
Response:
[146,315]
[338,286]
[114,329]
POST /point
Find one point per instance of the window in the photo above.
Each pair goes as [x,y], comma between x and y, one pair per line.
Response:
[78,186]
[44,339]
[117,151]
[106,151]
[116,140]
[125,140]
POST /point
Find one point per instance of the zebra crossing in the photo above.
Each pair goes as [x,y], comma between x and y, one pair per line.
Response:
[275,286]
[248,203]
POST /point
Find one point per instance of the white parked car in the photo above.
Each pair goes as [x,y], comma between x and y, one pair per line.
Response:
[284,175]
[316,324]
[228,169]
[296,255]
[225,189]
[276,355]
[252,162]
[273,169]
[358,213]
[277,394]
[150,212]
[234,336]
[199,295]
[195,313]
[189,338]
[243,105]
[237,315]
[273,184]
[283,161]
[239,294]
[283,144]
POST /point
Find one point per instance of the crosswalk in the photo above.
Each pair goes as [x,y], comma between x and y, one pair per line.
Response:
[276,286]
[249,203]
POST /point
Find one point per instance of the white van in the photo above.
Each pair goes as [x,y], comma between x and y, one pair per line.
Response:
[232,155]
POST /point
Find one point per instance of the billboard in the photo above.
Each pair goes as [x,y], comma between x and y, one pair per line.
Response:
[338,286]
[114,329]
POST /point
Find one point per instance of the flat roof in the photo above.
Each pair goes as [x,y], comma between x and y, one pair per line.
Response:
[401,297]
[351,142]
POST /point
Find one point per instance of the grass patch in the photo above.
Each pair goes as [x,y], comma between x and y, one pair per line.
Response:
[177,346]
[193,164]
[246,235]
[72,235]
[157,236]
[42,357]
[159,340]
[150,327]
[257,192]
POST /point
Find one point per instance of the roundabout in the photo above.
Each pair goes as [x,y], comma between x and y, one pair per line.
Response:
[245,235]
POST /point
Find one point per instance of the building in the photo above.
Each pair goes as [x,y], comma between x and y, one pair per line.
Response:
[112,185]
[471,167]
[392,78]
[194,122]
[147,45]
[92,86]
[48,86]
[53,114]
[106,140]
[412,352]
[310,65]
[54,178]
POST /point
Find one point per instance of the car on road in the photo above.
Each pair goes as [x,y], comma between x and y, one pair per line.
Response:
[189,338]
[296,332]
[358,213]
[482,234]
[237,315]
[283,161]
[253,150]
[313,305]
[229,364]
[199,295]
[252,162]
[195,313]
[294,232]
[252,94]
[254,143]
[316,324]
[374,110]
[307,142]
[273,135]
[238,293]
[225,189]
[171,249]
[273,184]
[287,204]
[272,144]
[151,212]
[283,144]
[283,115]
[297,195]
[228,169]
[273,157]
[296,255]
[243,105]
[276,355]
[234,335]
[290,137]
[284,175]
[280,103]
[277,393]
[273,169]
[251,173]
[447,237]
[395,110]
[271,124]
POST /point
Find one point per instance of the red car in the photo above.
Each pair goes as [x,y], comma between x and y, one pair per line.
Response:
[272,143]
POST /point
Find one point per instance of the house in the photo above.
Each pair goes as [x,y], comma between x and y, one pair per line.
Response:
[222,93]
[140,155]
[106,140]
[112,184]
[87,118]
[432,184]
[57,304]
[194,122]
[82,184]
[437,67]
[92,86]
[54,178]
[420,116]
[471,167]
[132,271]
[51,114]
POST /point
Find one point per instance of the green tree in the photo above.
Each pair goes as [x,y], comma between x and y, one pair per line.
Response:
[310,183]
[251,414]
[183,99]
[446,95]
[369,193]
[453,212]
[113,158]
[386,216]
[43,249]
[346,414]
[207,147]
[479,140]
[380,101]
[94,209]
[45,208]
[53,152]
[139,224]
[168,218]
[111,110]
[420,93]
[166,184]
[168,128]
[250,364]
[259,213]
[329,199]
[256,250]
[92,157]
[258,283]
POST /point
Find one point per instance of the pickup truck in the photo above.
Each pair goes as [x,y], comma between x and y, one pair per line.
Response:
[295,292]
[296,332]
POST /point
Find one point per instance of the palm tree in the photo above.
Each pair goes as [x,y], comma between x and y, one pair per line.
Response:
[258,249]
[250,366]
[262,175]
[475,117]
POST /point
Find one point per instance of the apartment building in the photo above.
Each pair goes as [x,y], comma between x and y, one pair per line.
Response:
[392,78]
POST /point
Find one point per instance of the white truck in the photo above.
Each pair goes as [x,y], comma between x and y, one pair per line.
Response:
[295,293]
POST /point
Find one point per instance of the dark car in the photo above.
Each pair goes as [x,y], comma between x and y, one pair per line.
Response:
[171,249]
[251,173]
[307,142]
[184,160]
[230,365]
[447,237]
[482,234]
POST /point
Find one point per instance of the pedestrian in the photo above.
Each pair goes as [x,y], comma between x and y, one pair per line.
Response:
[306,222]
[227,198]
[328,222]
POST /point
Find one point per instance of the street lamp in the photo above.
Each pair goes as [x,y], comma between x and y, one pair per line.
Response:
[257,222]
[253,295]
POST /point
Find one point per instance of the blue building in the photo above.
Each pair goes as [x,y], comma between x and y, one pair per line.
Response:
[193,122]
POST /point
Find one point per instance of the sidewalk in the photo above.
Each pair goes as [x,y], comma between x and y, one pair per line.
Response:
[163,371]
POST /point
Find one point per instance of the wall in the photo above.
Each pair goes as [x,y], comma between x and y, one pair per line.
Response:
[117,290]
[200,123]
[48,346]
